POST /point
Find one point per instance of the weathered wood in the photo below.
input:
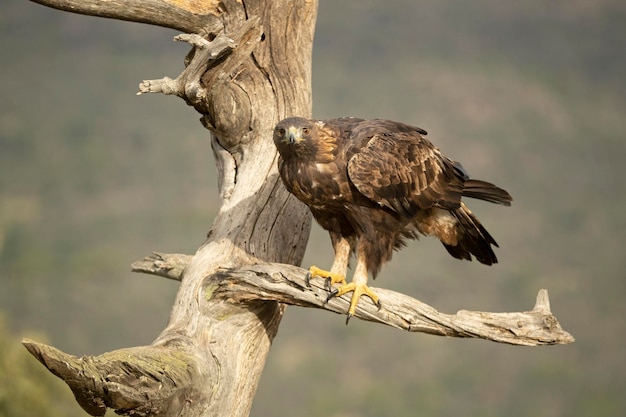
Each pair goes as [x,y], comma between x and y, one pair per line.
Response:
[141,380]
[187,16]
[168,265]
[286,284]
[250,67]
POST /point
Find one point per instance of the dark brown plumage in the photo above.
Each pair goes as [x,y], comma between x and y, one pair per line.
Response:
[375,183]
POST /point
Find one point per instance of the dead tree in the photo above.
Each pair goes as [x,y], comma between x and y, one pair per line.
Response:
[249,67]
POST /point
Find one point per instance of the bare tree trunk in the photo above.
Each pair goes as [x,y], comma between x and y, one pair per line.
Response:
[250,66]
[244,74]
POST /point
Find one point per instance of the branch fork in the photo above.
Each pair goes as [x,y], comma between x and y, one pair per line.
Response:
[204,54]
[187,85]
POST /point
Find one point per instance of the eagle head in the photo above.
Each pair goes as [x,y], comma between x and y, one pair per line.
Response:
[295,136]
[293,130]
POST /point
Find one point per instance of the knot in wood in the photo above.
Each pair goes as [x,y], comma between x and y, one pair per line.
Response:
[229,114]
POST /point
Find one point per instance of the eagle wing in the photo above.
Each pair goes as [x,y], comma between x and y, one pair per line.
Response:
[398,168]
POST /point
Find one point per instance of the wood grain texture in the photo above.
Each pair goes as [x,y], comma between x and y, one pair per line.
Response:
[209,358]
[184,15]
[139,379]
[286,284]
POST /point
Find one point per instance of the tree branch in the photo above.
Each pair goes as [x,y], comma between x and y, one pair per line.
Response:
[188,84]
[186,16]
[137,381]
[167,265]
[285,284]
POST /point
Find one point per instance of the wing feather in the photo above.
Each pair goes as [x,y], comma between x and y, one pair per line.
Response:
[403,171]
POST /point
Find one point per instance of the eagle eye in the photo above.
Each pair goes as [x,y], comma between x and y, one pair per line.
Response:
[306,131]
[281,131]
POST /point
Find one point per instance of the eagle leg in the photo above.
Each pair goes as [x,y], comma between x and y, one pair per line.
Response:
[358,287]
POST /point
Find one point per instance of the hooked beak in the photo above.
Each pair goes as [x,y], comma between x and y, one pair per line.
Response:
[293,135]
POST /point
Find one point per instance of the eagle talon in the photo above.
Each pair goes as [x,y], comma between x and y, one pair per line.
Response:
[357,290]
[332,294]
[307,279]
[329,277]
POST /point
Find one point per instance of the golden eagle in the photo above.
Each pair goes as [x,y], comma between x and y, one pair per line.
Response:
[375,183]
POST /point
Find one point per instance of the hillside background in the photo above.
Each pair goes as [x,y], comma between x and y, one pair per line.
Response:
[530,95]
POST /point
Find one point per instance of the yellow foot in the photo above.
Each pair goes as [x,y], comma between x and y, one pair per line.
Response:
[357,291]
[330,277]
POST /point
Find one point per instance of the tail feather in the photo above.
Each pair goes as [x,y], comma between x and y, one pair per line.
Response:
[473,238]
[486,191]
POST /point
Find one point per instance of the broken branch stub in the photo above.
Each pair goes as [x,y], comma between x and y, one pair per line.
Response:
[143,381]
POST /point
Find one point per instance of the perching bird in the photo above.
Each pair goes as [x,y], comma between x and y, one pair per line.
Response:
[375,183]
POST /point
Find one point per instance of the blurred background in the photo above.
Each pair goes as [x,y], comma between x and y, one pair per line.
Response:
[529,95]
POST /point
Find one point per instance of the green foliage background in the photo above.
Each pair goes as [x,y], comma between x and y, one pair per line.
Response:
[529,95]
